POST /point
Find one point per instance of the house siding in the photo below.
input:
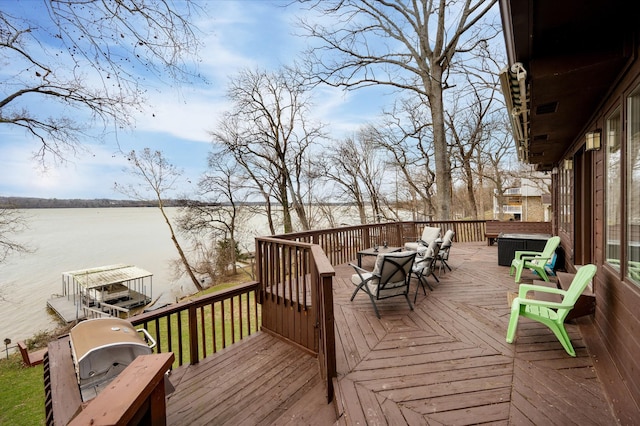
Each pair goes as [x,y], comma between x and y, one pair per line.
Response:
[617,317]
[535,209]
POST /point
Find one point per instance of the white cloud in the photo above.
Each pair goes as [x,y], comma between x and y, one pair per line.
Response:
[347,111]
[235,35]
[88,175]
[189,114]
[235,38]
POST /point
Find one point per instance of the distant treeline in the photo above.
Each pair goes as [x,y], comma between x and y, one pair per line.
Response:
[57,203]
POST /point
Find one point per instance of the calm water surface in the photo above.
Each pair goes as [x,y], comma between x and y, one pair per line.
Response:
[70,239]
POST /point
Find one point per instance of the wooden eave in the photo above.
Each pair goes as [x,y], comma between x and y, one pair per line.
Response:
[573,52]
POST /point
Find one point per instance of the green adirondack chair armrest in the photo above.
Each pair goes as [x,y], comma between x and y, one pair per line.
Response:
[520,253]
[530,258]
[525,288]
[541,303]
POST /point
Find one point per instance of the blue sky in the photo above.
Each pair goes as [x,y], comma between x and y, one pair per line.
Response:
[236,35]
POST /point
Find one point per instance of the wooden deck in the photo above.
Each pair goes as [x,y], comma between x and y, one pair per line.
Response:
[260,380]
[68,308]
[445,362]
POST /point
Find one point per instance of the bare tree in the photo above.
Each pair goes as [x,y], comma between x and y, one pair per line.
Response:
[404,45]
[499,158]
[268,132]
[371,173]
[156,175]
[356,169]
[12,222]
[83,61]
[470,127]
[405,133]
[218,218]
[340,165]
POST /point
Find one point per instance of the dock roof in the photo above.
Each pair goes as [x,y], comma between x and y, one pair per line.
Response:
[105,275]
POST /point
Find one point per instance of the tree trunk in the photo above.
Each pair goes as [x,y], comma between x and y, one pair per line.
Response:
[470,189]
[363,214]
[481,186]
[298,206]
[183,257]
[286,210]
[232,239]
[269,210]
[443,164]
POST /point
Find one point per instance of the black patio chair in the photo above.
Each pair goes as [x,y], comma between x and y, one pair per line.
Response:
[390,277]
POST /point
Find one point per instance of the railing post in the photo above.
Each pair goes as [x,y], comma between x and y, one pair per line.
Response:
[328,333]
[366,238]
[193,336]
[399,235]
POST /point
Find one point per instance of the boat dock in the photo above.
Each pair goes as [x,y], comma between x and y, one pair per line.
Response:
[68,308]
[101,292]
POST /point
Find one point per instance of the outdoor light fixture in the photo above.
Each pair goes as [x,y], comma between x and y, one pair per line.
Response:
[568,164]
[593,140]
[7,342]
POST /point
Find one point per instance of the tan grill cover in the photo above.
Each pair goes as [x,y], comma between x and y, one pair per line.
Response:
[98,344]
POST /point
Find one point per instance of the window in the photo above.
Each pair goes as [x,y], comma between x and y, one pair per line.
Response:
[633,187]
[613,188]
[566,194]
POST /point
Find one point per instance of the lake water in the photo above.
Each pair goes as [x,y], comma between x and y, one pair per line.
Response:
[71,239]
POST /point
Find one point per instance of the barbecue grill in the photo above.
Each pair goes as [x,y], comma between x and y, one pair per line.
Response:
[102,348]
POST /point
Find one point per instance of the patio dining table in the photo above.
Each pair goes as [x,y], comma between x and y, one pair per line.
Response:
[373,251]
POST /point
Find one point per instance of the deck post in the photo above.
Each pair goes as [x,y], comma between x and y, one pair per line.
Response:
[328,334]
[193,335]
[366,238]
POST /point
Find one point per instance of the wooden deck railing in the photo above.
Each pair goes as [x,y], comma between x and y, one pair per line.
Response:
[196,328]
[342,244]
[297,298]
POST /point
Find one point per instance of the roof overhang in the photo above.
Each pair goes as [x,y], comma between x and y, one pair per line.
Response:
[572,52]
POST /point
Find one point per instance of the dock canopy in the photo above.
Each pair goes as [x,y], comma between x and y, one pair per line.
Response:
[111,290]
[106,275]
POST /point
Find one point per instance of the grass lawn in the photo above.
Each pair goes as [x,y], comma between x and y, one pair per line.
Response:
[21,393]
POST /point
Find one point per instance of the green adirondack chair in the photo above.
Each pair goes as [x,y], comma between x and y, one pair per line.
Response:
[534,260]
[551,314]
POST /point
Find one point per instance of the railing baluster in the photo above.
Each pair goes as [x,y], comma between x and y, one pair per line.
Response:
[169,335]
[214,327]
[203,331]
[180,349]
[233,326]
[158,335]
[240,316]
[193,334]
[223,321]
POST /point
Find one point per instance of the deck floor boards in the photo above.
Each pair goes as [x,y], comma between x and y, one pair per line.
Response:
[445,362]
